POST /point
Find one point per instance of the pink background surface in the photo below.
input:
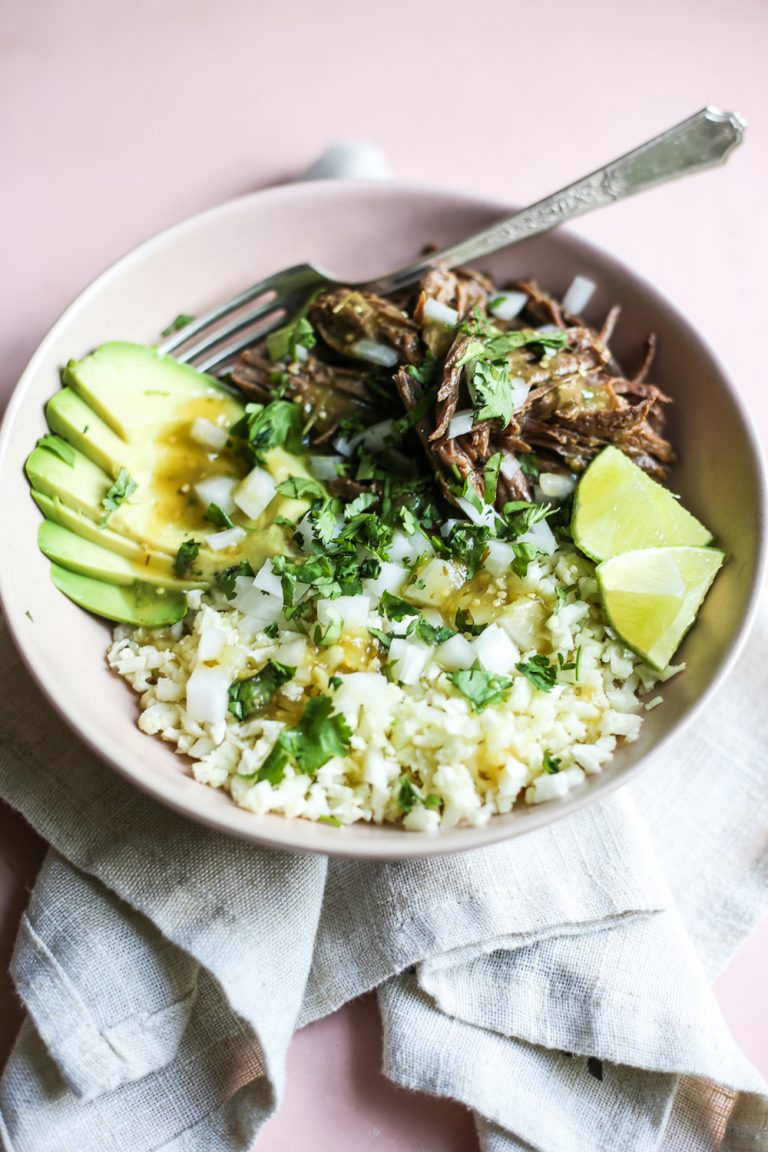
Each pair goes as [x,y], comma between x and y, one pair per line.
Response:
[119,119]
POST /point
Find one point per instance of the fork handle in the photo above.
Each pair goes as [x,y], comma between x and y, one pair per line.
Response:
[701,141]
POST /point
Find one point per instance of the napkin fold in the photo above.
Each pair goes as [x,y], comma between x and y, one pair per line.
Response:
[556,984]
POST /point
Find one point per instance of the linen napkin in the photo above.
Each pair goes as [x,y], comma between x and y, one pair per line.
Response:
[557,984]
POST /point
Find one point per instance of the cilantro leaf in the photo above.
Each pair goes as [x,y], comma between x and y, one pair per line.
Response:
[527,462]
[481,688]
[248,696]
[300,488]
[217,516]
[550,763]
[185,557]
[282,344]
[119,491]
[61,447]
[359,504]
[176,325]
[491,477]
[434,634]
[227,577]
[318,736]
[383,637]
[407,796]
[326,638]
[395,608]
[541,673]
[466,623]
[275,425]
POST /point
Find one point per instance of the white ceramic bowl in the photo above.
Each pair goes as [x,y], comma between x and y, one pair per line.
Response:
[359,230]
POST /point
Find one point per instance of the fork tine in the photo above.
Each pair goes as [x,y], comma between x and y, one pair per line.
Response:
[216,335]
[221,355]
[216,313]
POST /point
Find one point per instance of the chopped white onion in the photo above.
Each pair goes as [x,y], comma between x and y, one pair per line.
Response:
[507,305]
[520,389]
[210,645]
[208,694]
[390,579]
[485,516]
[510,466]
[268,581]
[304,531]
[495,650]
[300,353]
[556,486]
[262,609]
[255,493]
[461,423]
[324,467]
[376,438]
[441,313]
[293,652]
[578,295]
[404,625]
[500,556]
[404,547]
[548,329]
[229,538]
[363,690]
[217,490]
[374,353]
[351,610]
[208,434]
[447,526]
[541,536]
[455,653]
[342,445]
[409,659]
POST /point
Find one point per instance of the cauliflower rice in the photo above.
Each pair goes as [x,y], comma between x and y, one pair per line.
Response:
[418,753]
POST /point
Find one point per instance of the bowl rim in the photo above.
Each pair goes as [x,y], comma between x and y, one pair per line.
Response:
[327,840]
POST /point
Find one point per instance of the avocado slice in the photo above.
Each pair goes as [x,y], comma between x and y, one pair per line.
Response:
[54,509]
[139,393]
[70,416]
[68,550]
[138,604]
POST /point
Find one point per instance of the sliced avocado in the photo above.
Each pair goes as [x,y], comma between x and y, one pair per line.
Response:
[76,421]
[138,392]
[71,551]
[81,485]
[138,604]
[53,509]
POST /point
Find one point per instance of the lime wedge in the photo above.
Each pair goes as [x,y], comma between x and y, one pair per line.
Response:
[651,596]
[617,508]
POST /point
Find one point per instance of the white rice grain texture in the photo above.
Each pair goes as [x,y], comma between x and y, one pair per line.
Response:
[463,766]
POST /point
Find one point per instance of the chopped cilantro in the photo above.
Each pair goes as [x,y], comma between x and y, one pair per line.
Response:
[276,425]
[551,764]
[300,488]
[29,616]
[330,820]
[317,737]
[541,673]
[61,447]
[383,638]
[577,664]
[359,504]
[466,623]
[185,557]
[491,477]
[524,553]
[335,681]
[176,325]
[467,543]
[480,688]
[119,491]
[407,796]
[434,634]
[530,467]
[487,365]
[282,344]
[326,638]
[248,696]
[227,577]
[432,800]
[218,517]
[395,608]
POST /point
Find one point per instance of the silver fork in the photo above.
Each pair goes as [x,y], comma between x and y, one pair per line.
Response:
[702,141]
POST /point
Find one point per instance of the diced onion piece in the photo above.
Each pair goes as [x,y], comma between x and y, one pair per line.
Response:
[374,353]
[436,581]
[484,516]
[551,787]
[548,329]
[409,659]
[447,526]
[304,531]
[208,694]
[556,486]
[507,305]
[455,653]
[262,609]
[408,548]
[342,445]
[300,353]
[365,690]
[390,579]
[520,389]
[324,467]
[229,538]
[217,490]
[293,652]
[495,650]
[541,536]
[268,581]
[404,625]
[243,588]
[208,434]
[210,644]
[375,438]
[510,466]
[441,313]
[351,610]
[500,556]
[255,493]
[461,423]
[578,295]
